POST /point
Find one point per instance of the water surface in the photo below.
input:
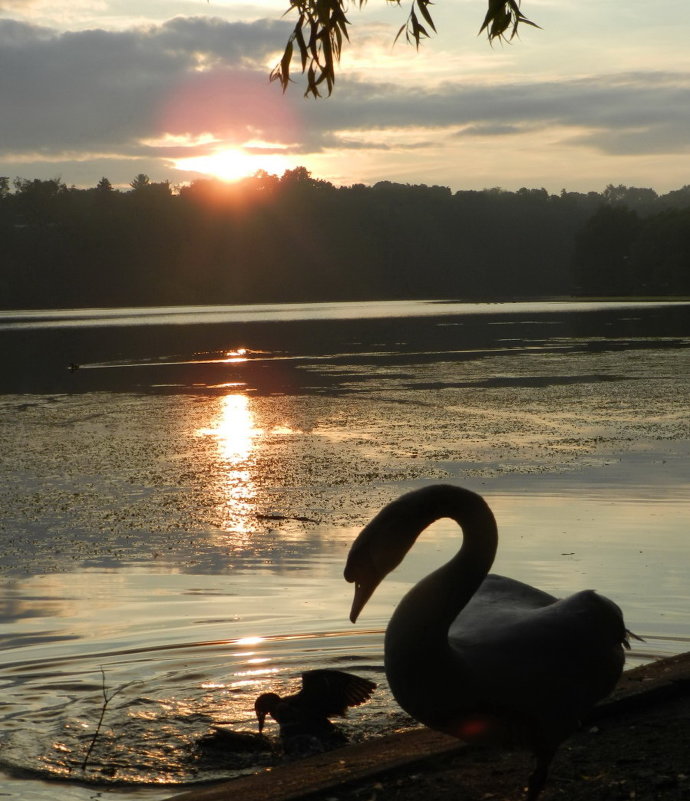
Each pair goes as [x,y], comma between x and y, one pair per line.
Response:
[180,488]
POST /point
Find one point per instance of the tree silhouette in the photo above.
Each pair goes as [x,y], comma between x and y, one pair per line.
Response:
[214,242]
[602,251]
[140,182]
[322,28]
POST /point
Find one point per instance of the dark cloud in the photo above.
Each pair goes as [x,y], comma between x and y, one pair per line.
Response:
[660,138]
[634,113]
[100,89]
[490,129]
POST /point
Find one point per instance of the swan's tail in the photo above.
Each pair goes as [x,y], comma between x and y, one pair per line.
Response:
[628,635]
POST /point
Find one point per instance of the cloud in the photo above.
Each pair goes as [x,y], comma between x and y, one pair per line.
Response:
[490,129]
[7,6]
[100,89]
[658,139]
[632,113]
[188,85]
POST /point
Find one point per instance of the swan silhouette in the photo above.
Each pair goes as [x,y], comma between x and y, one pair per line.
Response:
[480,656]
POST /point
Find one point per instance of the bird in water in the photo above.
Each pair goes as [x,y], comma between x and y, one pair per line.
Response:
[304,717]
[479,656]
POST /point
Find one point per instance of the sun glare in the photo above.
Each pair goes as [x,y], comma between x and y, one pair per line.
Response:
[235,163]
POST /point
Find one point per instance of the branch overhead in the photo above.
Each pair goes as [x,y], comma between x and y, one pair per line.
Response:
[322,28]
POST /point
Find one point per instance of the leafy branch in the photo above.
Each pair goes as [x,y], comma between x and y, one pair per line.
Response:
[413,29]
[321,30]
[502,15]
[319,33]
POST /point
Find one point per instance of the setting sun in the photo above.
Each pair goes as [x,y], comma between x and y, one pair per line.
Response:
[235,163]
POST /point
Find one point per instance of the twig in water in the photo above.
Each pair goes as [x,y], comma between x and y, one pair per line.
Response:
[106,700]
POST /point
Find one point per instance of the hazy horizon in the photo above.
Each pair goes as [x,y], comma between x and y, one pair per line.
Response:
[126,185]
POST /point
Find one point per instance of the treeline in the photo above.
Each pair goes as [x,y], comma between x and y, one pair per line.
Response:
[296,238]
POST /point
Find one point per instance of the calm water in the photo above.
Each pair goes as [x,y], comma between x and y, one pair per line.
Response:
[177,506]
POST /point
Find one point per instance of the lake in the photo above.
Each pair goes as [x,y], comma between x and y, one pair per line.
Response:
[180,487]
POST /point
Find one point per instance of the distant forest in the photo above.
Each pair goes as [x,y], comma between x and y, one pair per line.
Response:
[297,238]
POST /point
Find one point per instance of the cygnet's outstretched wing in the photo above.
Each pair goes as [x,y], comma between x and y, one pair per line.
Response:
[330,692]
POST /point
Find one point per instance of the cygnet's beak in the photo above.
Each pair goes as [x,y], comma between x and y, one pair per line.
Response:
[261,716]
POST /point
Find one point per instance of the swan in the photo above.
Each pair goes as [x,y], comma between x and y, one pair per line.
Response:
[304,717]
[479,656]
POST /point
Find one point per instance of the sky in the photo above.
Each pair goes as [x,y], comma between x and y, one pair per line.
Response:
[178,89]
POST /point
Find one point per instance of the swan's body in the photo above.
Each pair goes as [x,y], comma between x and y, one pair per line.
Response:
[483,657]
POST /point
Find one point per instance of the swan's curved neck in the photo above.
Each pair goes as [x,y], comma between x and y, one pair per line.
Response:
[418,630]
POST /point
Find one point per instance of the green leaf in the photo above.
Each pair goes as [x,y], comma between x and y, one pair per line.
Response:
[302,45]
[397,35]
[422,5]
[286,59]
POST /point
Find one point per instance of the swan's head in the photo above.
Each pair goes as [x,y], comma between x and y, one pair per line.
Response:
[382,545]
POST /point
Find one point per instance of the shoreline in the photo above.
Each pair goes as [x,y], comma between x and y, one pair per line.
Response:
[587,767]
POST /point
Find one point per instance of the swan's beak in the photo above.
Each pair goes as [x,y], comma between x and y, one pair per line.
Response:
[362,594]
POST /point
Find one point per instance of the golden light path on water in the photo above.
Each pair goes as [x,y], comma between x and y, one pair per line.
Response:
[236,433]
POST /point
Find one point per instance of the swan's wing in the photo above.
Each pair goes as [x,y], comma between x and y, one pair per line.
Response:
[552,659]
[503,590]
[507,610]
[331,692]
[499,602]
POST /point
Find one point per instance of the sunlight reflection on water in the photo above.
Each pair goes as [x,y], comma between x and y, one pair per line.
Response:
[234,429]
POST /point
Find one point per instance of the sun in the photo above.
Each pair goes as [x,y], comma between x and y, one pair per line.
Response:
[235,163]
